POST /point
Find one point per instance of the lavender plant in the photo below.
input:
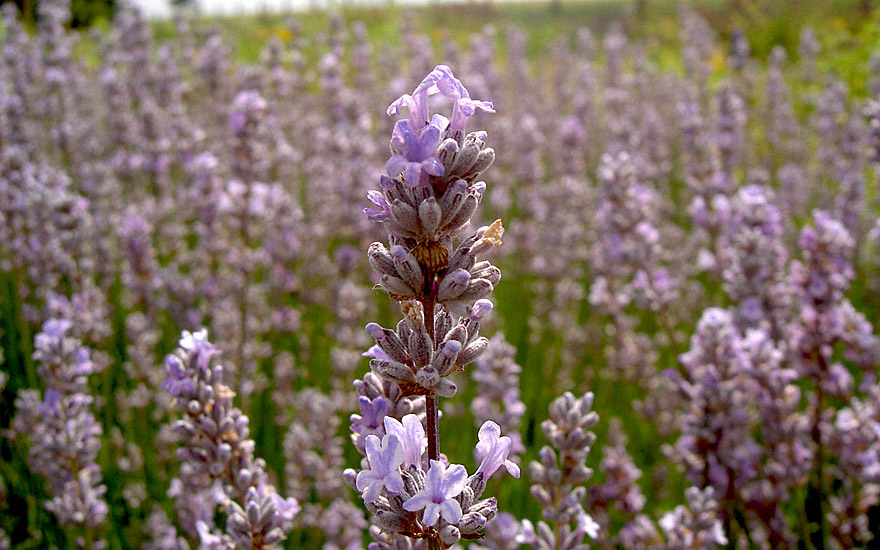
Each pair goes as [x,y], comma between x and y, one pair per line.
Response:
[217,462]
[558,477]
[433,268]
[64,434]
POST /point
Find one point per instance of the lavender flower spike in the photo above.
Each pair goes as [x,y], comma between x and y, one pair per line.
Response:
[442,485]
[493,449]
[384,472]
[435,272]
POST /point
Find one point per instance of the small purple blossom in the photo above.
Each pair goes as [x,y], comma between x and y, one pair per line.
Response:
[411,434]
[442,485]
[440,80]
[181,374]
[287,508]
[481,309]
[587,526]
[493,449]
[377,214]
[385,460]
[369,422]
[416,158]
[376,353]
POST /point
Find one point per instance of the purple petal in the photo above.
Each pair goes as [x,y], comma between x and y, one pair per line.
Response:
[374,455]
[395,165]
[376,353]
[394,483]
[454,481]
[451,511]
[432,514]
[433,166]
[413,174]
[417,502]
[403,101]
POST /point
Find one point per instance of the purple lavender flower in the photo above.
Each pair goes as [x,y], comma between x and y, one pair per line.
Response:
[384,473]
[416,158]
[442,485]
[440,80]
[377,214]
[695,525]
[218,465]
[493,449]
[65,436]
[182,375]
[369,422]
[411,434]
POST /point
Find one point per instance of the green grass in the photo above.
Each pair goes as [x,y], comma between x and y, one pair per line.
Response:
[841,23]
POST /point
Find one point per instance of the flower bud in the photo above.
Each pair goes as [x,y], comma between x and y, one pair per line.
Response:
[472,351]
[471,523]
[476,289]
[458,333]
[375,331]
[461,259]
[452,285]
[408,268]
[450,535]
[478,137]
[390,521]
[490,273]
[389,342]
[463,214]
[465,158]
[420,348]
[430,215]
[405,215]
[392,370]
[484,161]
[394,228]
[380,259]
[445,388]
[447,152]
[444,360]
[427,377]
[453,198]
[396,286]
[273,537]
[442,323]
[253,510]
[480,310]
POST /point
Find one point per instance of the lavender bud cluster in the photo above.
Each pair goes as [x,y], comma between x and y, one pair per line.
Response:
[557,479]
[64,435]
[217,462]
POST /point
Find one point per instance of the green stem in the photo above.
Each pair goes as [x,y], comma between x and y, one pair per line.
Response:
[819,536]
[432,411]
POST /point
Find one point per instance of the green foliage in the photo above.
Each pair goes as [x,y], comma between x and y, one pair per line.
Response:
[84,13]
[87,12]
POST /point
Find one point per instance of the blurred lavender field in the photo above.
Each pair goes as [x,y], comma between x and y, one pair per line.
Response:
[201,229]
[165,8]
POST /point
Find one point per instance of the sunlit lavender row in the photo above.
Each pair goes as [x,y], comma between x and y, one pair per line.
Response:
[261,305]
